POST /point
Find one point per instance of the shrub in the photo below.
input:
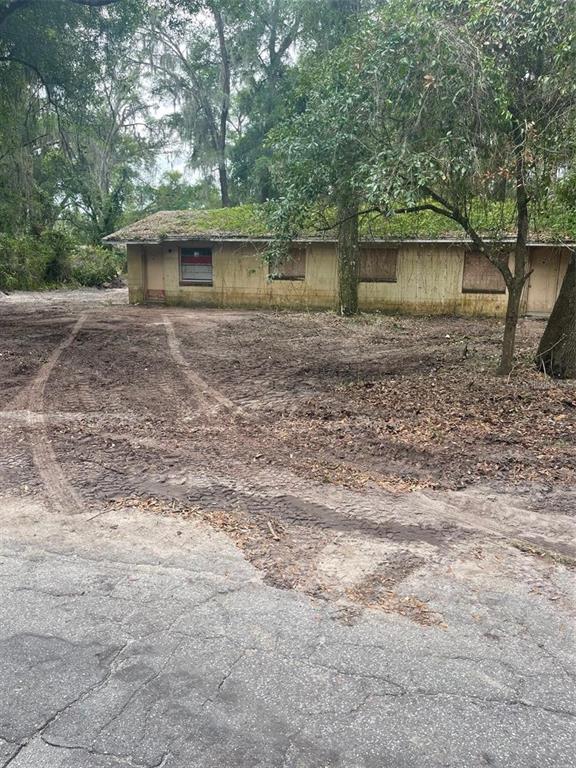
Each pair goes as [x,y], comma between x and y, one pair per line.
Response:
[94,266]
[57,247]
[30,263]
[23,262]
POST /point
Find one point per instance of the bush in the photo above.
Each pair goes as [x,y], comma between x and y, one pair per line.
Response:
[23,262]
[94,266]
[32,263]
[57,246]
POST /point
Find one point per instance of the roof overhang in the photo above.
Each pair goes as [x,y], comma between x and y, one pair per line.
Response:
[330,241]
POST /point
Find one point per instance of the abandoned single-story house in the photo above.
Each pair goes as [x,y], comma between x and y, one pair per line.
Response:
[196,258]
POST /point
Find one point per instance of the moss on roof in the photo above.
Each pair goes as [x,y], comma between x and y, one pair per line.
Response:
[244,221]
[250,222]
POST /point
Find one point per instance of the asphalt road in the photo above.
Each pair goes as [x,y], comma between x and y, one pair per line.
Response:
[130,639]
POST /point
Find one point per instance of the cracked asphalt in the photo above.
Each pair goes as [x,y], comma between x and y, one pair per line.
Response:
[145,642]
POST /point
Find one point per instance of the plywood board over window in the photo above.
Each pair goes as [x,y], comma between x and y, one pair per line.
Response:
[480,276]
[293,267]
[196,266]
[378,264]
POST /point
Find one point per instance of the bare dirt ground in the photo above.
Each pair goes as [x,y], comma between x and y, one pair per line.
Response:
[347,459]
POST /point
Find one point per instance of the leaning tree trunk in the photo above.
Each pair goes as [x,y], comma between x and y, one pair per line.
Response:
[348,259]
[510,326]
[557,351]
[516,282]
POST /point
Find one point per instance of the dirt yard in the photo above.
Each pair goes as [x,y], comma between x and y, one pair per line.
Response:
[342,456]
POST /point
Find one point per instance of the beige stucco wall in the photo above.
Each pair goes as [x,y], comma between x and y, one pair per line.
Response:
[548,267]
[240,278]
[429,281]
[136,280]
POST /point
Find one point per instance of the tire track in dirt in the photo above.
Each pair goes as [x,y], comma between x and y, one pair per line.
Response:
[61,494]
[209,398]
[60,417]
[515,526]
[435,515]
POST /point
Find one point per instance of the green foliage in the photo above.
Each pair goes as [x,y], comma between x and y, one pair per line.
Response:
[317,157]
[248,219]
[430,107]
[306,104]
[198,50]
[485,84]
[226,67]
[58,246]
[326,23]
[69,106]
[566,190]
[104,146]
[32,263]
[240,221]
[94,266]
[22,263]
[265,95]
[554,223]
[175,194]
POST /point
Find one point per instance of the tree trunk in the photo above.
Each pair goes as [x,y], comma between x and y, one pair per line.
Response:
[223,180]
[556,354]
[225,85]
[516,283]
[510,326]
[348,259]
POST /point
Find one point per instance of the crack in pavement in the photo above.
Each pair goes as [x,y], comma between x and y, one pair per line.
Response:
[226,675]
[150,679]
[487,700]
[38,732]
[126,759]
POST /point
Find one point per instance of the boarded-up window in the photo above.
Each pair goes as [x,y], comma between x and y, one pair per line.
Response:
[377,264]
[293,267]
[196,266]
[480,276]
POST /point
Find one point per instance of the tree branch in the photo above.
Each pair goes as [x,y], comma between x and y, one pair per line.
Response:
[424,207]
[49,95]
[17,5]
[225,74]
[33,68]
[343,220]
[30,143]
[454,213]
